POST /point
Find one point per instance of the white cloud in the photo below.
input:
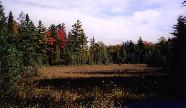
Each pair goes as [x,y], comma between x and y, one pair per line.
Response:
[111,21]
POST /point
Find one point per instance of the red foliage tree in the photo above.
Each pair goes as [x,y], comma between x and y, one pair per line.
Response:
[62,37]
[49,40]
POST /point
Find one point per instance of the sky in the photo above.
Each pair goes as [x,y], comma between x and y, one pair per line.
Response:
[110,21]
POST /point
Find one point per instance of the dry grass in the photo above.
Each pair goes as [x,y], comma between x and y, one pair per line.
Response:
[88,71]
[73,86]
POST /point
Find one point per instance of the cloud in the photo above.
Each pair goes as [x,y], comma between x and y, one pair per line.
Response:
[111,21]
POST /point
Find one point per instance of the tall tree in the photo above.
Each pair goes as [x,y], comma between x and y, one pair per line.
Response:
[131,52]
[10,58]
[92,51]
[177,72]
[10,21]
[61,32]
[77,41]
[28,41]
[3,45]
[2,17]
[101,53]
[3,29]
[41,30]
[123,54]
[13,29]
[52,42]
[40,43]
[140,51]
[60,51]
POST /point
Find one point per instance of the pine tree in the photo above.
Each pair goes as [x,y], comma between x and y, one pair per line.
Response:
[123,54]
[140,51]
[40,43]
[114,54]
[11,66]
[131,52]
[10,21]
[177,73]
[69,50]
[13,29]
[3,45]
[41,30]
[92,51]
[101,53]
[28,42]
[78,44]
[3,29]
[2,17]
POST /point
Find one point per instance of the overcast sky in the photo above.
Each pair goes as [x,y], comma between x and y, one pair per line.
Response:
[110,21]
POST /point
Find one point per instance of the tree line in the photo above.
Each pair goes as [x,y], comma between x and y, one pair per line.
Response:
[38,45]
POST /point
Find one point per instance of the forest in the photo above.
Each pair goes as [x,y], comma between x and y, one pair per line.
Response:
[25,46]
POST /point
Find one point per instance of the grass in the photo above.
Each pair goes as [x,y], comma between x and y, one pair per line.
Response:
[89,71]
[103,86]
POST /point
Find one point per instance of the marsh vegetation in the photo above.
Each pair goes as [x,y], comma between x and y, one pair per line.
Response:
[93,86]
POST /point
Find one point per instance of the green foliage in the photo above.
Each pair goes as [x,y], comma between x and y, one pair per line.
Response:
[77,49]
[23,44]
[131,51]
[13,68]
[100,54]
[114,54]
[140,51]
[11,59]
[123,54]
[10,21]
[16,53]
[177,63]
[28,43]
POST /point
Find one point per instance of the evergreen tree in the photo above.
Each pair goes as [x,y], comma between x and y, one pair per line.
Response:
[92,50]
[3,29]
[177,66]
[69,50]
[101,54]
[11,66]
[3,45]
[140,51]
[21,18]
[114,53]
[164,47]
[13,29]
[123,54]
[2,17]
[28,42]
[131,52]
[41,30]
[40,43]
[78,44]
[10,21]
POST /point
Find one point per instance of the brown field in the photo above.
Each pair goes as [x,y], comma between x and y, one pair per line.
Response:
[92,86]
[89,71]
